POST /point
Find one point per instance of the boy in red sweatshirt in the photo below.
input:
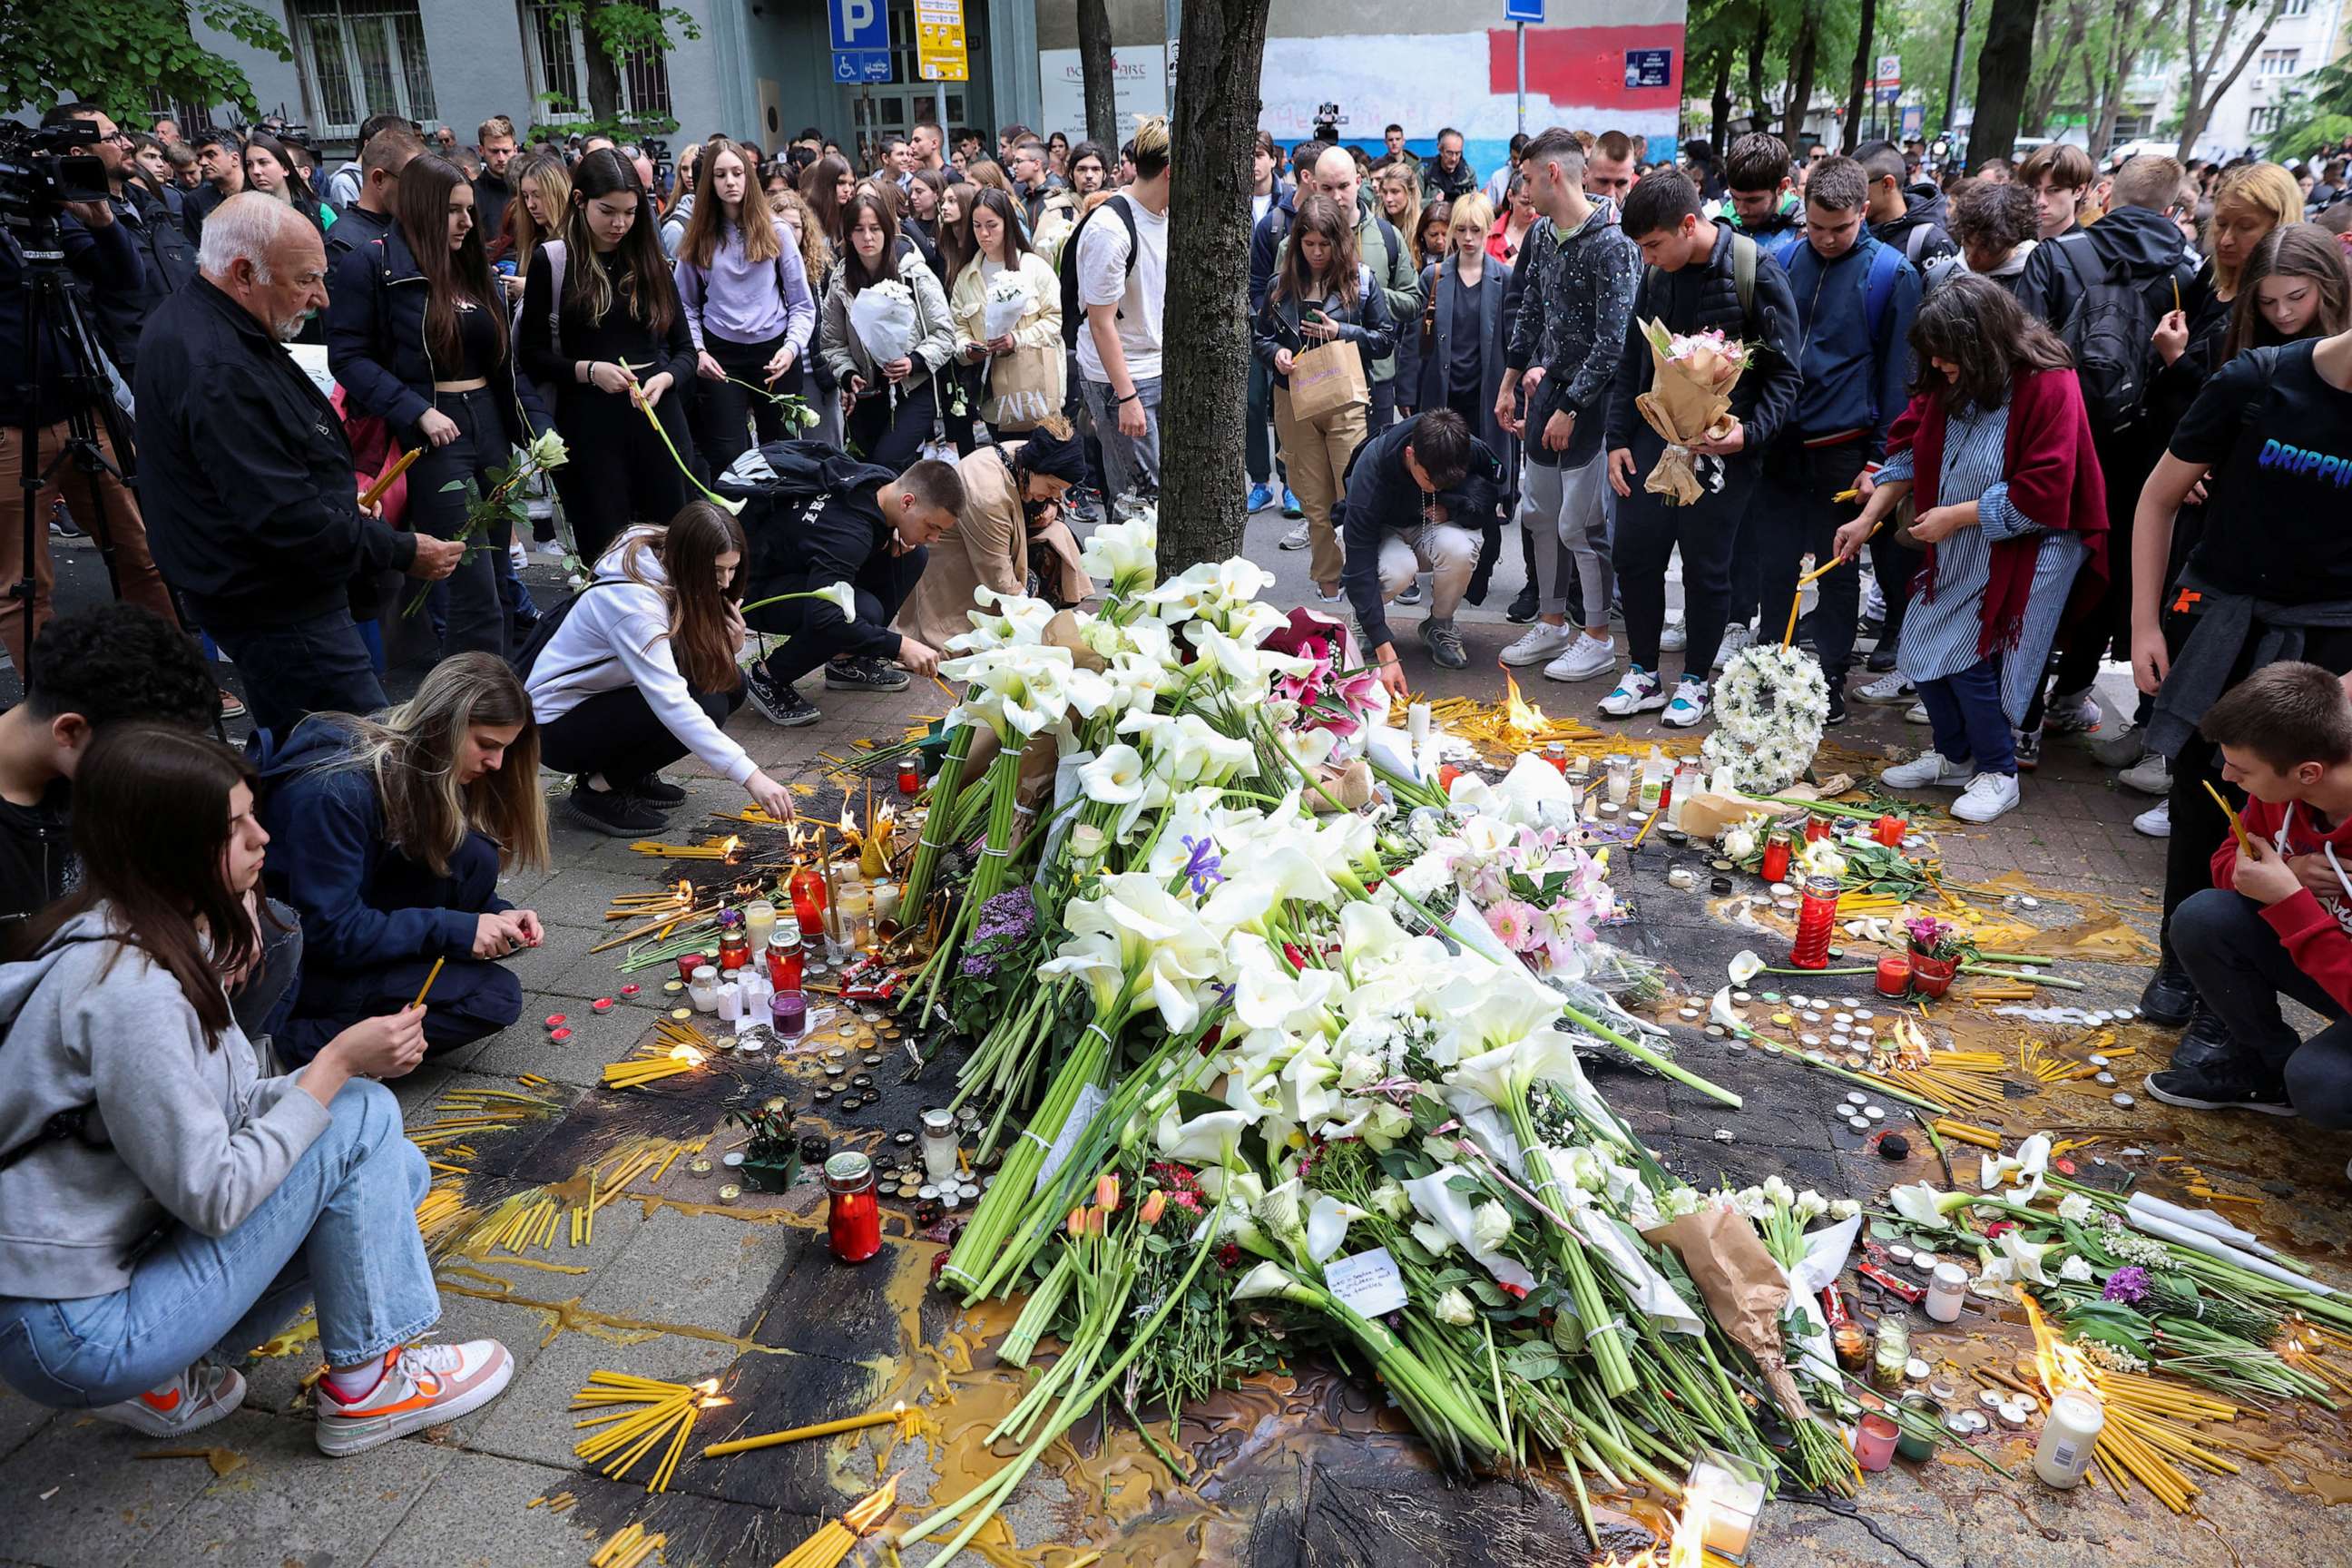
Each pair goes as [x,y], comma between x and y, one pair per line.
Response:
[2278,918]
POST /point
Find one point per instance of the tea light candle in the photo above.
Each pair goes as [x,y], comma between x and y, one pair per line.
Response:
[602,1004]
[555,1021]
[2068,1435]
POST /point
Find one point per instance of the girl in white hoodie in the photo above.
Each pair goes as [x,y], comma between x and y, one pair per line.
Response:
[643,671]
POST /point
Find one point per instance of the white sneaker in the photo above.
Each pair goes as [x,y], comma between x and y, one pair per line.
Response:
[2073,713]
[1583,658]
[423,1385]
[552,549]
[516,556]
[195,1399]
[1637,693]
[1874,603]
[1928,770]
[1297,539]
[1886,690]
[1734,639]
[2156,821]
[2151,775]
[1540,642]
[1988,796]
[1673,636]
[1689,705]
[1917,714]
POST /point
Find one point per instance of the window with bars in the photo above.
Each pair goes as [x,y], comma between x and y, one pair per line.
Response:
[2297,8]
[2265,119]
[362,58]
[558,56]
[160,105]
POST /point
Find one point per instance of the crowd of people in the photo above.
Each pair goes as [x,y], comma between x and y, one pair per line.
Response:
[2063,411]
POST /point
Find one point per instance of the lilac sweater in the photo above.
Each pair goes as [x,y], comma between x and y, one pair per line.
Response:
[748,302]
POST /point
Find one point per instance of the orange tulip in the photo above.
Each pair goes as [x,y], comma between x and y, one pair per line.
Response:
[1154,1205]
[1106,1191]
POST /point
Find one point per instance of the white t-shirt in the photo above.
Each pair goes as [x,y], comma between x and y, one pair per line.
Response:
[1104,279]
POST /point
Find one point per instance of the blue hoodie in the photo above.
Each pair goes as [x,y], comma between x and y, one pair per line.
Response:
[327,850]
[1854,379]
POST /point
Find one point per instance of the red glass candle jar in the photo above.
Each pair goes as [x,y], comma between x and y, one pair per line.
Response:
[1932,976]
[1894,975]
[854,1223]
[734,944]
[1873,1441]
[1888,830]
[808,890]
[911,780]
[1776,855]
[1816,920]
[1816,829]
[784,957]
[689,962]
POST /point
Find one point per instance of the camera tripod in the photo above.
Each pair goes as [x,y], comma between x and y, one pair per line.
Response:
[50,304]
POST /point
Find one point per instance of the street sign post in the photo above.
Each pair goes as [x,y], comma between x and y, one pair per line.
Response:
[1519,13]
[861,40]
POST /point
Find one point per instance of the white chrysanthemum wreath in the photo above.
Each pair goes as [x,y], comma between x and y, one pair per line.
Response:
[1770,704]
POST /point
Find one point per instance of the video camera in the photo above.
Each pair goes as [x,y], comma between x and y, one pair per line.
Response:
[663,166]
[1328,121]
[41,169]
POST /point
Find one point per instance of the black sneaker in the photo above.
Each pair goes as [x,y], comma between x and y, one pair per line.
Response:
[2234,1082]
[656,789]
[2205,1041]
[1881,660]
[1410,595]
[1444,642]
[1523,608]
[2171,997]
[1837,704]
[777,703]
[2027,743]
[863,674]
[613,814]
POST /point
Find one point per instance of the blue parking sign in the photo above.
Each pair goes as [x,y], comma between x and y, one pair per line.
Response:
[859,25]
[1523,11]
[854,66]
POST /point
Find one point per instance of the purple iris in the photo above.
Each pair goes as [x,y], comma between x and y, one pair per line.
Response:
[1204,868]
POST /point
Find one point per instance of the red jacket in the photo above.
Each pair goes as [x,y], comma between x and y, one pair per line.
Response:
[2315,930]
[2054,479]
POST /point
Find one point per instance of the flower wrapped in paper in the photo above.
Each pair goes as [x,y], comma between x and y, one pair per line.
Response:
[883,317]
[1689,396]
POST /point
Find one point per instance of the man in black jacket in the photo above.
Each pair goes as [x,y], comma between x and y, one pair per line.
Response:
[115,664]
[830,518]
[367,216]
[1700,275]
[1447,178]
[2138,243]
[1910,219]
[166,257]
[1413,494]
[248,479]
[492,192]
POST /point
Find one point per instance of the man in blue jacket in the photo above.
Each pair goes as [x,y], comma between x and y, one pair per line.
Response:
[1856,297]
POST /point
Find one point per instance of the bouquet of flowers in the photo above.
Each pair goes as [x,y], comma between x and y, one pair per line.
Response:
[1690,393]
[883,317]
[1771,705]
[1932,938]
[1338,693]
[1004,305]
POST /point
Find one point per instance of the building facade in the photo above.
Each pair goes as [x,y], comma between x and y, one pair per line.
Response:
[765,69]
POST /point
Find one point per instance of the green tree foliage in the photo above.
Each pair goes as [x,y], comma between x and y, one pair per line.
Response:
[121,53]
[619,31]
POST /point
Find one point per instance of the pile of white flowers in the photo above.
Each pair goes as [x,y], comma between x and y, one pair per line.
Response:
[1771,705]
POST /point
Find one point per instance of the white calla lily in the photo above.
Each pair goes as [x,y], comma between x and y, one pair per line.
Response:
[1745,966]
[1116,777]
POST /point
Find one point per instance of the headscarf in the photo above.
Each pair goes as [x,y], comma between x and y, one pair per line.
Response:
[1055,454]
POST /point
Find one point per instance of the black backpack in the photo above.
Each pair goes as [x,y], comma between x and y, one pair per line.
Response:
[2108,329]
[1074,314]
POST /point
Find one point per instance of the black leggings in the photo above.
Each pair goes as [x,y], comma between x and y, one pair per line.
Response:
[619,471]
[617,733]
[893,438]
[723,410]
[478,616]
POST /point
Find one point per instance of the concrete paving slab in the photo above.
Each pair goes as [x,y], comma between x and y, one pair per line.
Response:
[77,1495]
[291,1504]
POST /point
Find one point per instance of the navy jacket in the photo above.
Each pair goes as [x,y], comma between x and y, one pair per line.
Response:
[1266,240]
[376,343]
[1854,379]
[245,477]
[328,824]
[1378,496]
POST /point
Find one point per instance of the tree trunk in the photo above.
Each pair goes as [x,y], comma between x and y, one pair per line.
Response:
[1094,63]
[1203,495]
[2003,67]
[1720,133]
[2204,91]
[1759,112]
[1863,81]
[1800,75]
[604,71]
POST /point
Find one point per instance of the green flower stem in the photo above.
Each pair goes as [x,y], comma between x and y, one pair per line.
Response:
[1862,969]
[1651,1058]
[2059,981]
[1827,808]
[731,508]
[935,821]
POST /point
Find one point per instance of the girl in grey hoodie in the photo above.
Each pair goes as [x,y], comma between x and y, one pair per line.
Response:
[164,1205]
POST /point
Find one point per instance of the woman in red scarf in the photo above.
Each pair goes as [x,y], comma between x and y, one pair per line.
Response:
[1995,454]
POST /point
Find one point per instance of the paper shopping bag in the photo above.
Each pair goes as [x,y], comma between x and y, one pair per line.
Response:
[1327,379]
[1025,387]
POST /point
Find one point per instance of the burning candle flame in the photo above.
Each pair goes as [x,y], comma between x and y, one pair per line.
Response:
[685,891]
[848,823]
[692,1058]
[708,1385]
[1688,1547]
[1521,715]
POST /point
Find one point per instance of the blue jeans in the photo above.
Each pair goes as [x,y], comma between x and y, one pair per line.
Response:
[1965,710]
[293,670]
[340,1230]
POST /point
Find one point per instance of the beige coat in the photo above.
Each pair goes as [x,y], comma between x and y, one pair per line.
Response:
[1040,326]
[988,546]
